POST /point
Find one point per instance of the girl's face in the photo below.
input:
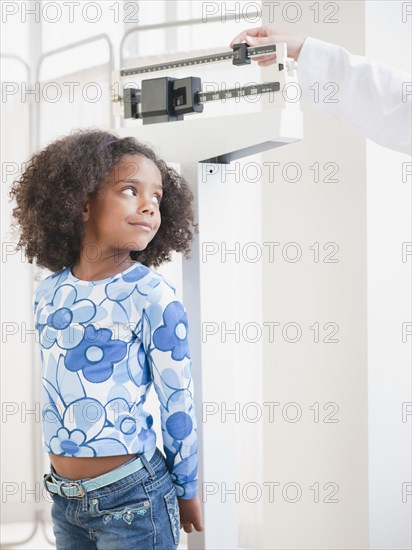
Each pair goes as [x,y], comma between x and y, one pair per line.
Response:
[114,218]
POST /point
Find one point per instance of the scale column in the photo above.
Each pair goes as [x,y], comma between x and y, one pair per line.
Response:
[207,302]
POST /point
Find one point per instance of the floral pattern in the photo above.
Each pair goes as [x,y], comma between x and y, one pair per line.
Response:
[96,358]
[172,336]
[60,319]
[103,344]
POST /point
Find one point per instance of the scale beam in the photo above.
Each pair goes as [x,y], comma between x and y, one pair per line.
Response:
[221,139]
[240,55]
[168,99]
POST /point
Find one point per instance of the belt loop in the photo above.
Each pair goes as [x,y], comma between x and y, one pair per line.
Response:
[84,499]
[148,466]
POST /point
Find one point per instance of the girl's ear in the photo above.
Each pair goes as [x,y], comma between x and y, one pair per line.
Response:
[86,211]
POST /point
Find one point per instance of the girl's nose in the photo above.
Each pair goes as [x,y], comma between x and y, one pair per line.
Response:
[146,204]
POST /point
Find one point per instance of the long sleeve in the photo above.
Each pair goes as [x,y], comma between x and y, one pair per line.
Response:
[372,97]
[165,341]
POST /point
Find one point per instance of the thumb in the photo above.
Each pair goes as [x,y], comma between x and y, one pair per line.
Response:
[259,40]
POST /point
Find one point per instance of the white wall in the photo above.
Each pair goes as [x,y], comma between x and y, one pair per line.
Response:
[389,304]
[325,460]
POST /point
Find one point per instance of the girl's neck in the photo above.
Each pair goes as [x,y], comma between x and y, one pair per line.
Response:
[102,269]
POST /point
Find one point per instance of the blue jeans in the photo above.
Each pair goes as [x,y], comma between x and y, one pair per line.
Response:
[138,512]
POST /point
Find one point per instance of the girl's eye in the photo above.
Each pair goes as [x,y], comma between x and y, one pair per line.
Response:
[130,188]
[159,197]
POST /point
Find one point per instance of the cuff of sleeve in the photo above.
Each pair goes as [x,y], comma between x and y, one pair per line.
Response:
[186,491]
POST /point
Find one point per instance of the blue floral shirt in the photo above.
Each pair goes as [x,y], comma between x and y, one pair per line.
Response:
[102,344]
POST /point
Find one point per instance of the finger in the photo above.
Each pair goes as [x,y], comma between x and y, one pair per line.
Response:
[257,31]
[199,526]
[188,529]
[266,57]
[239,38]
[266,63]
[259,40]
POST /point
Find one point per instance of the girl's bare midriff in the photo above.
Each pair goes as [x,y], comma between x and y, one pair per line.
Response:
[79,468]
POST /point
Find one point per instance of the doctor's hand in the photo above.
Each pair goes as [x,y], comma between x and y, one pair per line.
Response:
[260,36]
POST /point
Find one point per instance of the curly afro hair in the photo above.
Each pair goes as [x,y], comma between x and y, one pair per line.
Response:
[56,182]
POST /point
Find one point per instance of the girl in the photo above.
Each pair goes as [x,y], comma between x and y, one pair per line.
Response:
[98,211]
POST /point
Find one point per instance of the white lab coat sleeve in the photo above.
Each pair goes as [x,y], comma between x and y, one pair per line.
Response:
[369,96]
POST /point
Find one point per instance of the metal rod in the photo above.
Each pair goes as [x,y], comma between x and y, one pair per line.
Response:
[185,23]
[199,60]
[69,47]
[176,64]
[28,70]
[231,93]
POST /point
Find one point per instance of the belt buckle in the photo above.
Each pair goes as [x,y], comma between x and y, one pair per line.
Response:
[49,477]
[79,487]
